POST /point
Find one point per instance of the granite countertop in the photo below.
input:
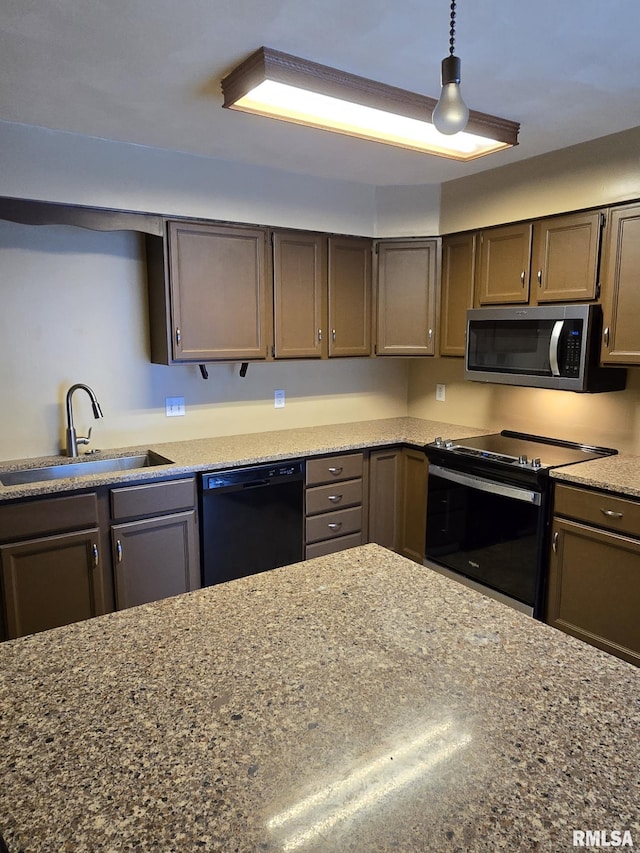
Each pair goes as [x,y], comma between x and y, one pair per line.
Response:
[357,702]
[249,449]
[616,473]
[619,473]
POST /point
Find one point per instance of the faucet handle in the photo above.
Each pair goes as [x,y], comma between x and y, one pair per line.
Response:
[84,439]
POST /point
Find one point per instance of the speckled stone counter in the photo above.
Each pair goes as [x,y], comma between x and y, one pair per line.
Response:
[613,473]
[356,702]
[249,449]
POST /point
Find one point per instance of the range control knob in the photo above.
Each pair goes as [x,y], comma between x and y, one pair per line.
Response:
[448,444]
[536,463]
[438,441]
[522,460]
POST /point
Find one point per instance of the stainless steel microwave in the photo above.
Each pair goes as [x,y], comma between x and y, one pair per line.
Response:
[555,346]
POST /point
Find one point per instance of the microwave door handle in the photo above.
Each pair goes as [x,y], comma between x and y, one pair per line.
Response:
[554,347]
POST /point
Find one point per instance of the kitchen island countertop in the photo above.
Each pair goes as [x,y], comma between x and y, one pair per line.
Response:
[357,702]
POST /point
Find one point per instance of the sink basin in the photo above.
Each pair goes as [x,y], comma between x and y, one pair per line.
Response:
[65,470]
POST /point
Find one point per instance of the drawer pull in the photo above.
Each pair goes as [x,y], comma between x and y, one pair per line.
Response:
[119,550]
[335,499]
[336,471]
[334,525]
[611,513]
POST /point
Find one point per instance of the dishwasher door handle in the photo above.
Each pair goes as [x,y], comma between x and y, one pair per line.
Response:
[255,484]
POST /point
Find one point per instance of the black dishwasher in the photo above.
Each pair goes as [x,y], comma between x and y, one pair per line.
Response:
[251,520]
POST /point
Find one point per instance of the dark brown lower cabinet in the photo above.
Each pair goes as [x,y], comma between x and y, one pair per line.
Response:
[154,541]
[594,575]
[398,500]
[155,558]
[51,581]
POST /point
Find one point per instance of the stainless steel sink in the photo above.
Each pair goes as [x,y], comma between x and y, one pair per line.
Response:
[66,470]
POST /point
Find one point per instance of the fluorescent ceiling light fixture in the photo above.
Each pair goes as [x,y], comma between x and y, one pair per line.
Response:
[281,86]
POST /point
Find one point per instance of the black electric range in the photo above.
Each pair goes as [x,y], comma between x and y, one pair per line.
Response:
[489,508]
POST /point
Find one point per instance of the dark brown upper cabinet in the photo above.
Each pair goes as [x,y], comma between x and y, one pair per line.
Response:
[504,262]
[621,287]
[406,297]
[549,260]
[566,252]
[322,295]
[456,291]
[208,294]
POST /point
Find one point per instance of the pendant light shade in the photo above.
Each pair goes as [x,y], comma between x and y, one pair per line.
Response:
[451,114]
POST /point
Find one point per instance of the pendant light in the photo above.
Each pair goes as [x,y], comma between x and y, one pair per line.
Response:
[451,114]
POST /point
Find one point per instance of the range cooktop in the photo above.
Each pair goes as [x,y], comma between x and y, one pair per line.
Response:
[519,450]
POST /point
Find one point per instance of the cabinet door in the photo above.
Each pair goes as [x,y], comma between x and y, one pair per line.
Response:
[406,297]
[349,294]
[594,588]
[414,504]
[51,581]
[218,292]
[566,250]
[384,490]
[299,281]
[155,558]
[504,265]
[456,293]
[621,287]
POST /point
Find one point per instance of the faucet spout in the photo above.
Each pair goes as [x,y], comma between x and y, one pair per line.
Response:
[74,440]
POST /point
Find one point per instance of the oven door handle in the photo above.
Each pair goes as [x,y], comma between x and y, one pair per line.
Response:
[482,485]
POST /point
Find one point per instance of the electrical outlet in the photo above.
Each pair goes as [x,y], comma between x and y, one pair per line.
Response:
[278,399]
[440,393]
[174,407]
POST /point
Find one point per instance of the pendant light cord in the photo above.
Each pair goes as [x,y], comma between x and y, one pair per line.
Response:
[452,30]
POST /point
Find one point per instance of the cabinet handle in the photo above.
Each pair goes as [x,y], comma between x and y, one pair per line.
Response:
[333,335]
[119,550]
[178,336]
[611,513]
[554,542]
[335,499]
[96,554]
[334,525]
[319,334]
[540,278]
[335,471]
[606,337]
[522,278]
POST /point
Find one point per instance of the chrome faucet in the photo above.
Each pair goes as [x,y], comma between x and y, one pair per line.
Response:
[74,440]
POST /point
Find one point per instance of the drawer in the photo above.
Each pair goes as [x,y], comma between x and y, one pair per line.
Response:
[598,508]
[330,469]
[49,515]
[327,498]
[330,525]
[153,498]
[331,546]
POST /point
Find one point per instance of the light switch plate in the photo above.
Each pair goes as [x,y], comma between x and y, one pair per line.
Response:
[174,407]
[278,399]
[440,393]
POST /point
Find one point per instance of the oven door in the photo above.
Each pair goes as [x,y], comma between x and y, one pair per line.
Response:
[488,531]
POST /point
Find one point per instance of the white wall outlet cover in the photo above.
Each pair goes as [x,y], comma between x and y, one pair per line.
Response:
[174,407]
[278,399]
[440,393]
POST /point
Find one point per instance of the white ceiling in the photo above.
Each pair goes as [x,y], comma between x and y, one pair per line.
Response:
[149,71]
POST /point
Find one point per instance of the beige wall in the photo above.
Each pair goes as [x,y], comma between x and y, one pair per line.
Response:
[604,171]
[73,309]
[611,419]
